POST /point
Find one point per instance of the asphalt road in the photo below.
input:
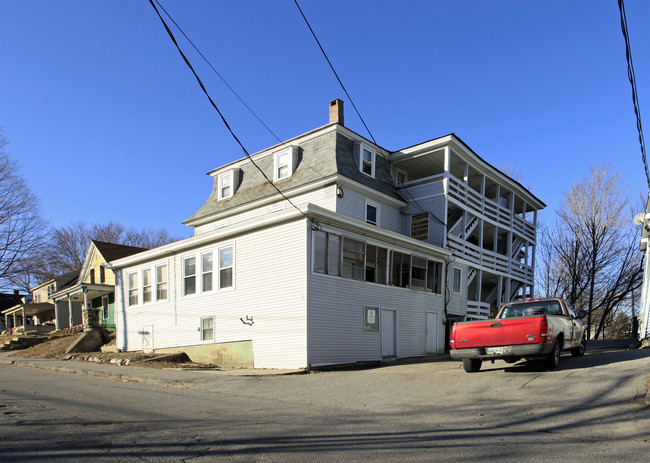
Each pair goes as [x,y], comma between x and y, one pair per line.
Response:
[591,409]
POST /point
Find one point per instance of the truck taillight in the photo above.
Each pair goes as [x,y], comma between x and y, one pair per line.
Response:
[452,344]
[543,328]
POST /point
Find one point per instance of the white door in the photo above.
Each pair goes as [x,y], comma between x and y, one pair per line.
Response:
[147,339]
[432,333]
[388,333]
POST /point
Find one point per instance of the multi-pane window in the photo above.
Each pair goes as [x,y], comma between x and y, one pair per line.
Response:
[161,282]
[226,267]
[189,275]
[92,276]
[420,226]
[358,260]
[225,185]
[102,274]
[206,271]
[207,329]
[372,214]
[367,161]
[146,285]
[376,263]
[456,281]
[132,280]
[354,252]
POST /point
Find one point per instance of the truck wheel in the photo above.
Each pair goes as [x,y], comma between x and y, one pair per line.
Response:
[472,365]
[580,350]
[552,360]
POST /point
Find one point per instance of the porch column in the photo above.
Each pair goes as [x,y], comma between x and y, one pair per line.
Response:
[24,319]
[70,319]
[86,321]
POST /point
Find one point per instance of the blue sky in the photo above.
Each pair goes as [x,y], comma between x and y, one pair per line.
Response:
[107,122]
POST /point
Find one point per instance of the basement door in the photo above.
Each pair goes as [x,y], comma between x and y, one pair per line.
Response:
[388,333]
[432,333]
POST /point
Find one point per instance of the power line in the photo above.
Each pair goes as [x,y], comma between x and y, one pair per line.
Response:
[334,71]
[225,122]
[217,72]
[631,76]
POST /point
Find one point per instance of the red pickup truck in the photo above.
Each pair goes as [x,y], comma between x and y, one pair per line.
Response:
[530,329]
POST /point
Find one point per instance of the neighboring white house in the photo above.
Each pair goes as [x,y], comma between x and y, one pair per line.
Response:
[370,254]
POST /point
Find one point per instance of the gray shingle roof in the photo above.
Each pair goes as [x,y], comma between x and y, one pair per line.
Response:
[318,158]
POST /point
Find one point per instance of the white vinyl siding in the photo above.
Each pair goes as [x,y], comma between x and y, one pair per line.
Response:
[336,326]
[353,205]
[268,286]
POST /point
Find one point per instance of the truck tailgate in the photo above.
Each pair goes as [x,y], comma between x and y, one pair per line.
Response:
[498,332]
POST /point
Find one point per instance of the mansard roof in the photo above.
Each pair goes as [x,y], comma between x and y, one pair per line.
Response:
[323,153]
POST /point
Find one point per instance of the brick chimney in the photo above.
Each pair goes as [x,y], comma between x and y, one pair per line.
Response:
[336,111]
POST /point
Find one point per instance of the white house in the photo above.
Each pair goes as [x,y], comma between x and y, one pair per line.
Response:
[368,254]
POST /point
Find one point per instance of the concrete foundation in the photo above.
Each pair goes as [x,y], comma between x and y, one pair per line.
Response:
[225,355]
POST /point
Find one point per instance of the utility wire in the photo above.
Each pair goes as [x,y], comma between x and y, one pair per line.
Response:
[635,98]
[283,143]
[334,71]
[225,122]
[217,72]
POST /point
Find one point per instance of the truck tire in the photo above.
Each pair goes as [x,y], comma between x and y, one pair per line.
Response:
[472,365]
[580,350]
[552,360]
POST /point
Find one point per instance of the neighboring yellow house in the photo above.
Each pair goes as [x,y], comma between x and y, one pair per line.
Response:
[95,287]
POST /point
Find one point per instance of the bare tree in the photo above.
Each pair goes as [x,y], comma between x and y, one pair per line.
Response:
[590,256]
[67,246]
[21,226]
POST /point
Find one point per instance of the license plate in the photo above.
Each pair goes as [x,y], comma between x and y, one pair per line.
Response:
[494,350]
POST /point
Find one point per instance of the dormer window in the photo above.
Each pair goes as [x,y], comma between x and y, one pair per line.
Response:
[227,183]
[284,163]
[367,161]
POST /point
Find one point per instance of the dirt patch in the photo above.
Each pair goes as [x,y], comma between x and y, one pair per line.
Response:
[57,345]
[52,349]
